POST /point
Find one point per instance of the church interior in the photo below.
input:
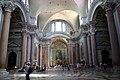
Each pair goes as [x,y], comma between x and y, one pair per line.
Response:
[59,32]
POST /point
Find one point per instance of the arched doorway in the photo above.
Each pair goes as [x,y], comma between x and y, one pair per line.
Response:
[12,59]
[102,37]
[105,57]
[58,52]
[15,34]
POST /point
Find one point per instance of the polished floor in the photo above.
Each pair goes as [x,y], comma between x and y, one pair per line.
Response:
[60,74]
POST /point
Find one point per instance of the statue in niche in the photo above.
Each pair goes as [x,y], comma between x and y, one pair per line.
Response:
[58,55]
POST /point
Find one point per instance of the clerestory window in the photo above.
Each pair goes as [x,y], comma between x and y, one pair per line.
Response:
[58,26]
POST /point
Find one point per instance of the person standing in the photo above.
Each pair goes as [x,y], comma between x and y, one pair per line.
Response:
[27,71]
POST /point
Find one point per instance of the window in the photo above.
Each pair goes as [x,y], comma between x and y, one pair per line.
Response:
[53,27]
[64,27]
[58,26]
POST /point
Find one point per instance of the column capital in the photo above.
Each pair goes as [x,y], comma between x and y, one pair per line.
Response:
[92,27]
[8,6]
[92,31]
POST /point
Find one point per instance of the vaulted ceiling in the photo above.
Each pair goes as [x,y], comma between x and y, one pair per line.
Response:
[48,10]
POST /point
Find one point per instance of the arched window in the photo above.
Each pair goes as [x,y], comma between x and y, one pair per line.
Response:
[58,26]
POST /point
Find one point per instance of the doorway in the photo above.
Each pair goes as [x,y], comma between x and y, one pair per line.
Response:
[105,57]
[12,59]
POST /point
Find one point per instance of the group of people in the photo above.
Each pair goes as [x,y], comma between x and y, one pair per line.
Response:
[76,66]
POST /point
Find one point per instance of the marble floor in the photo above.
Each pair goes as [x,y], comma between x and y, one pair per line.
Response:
[59,74]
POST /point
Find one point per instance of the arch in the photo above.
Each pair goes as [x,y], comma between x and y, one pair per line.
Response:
[58,52]
[12,59]
[66,21]
[23,10]
[59,35]
[91,12]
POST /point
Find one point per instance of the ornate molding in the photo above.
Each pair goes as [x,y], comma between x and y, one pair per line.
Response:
[8,6]
[29,29]
[109,6]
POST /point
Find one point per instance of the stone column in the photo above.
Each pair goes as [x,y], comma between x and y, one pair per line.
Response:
[32,49]
[71,50]
[68,52]
[113,34]
[48,55]
[26,55]
[43,54]
[85,47]
[4,36]
[37,54]
[89,50]
[29,47]
[93,43]
[24,40]
[40,54]
[76,52]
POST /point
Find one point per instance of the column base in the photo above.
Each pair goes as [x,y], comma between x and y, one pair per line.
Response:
[3,71]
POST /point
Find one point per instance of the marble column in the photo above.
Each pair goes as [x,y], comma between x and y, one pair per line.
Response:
[26,55]
[68,52]
[4,36]
[76,56]
[113,34]
[93,43]
[36,53]
[48,55]
[24,40]
[89,50]
[71,53]
[32,49]
[80,51]
[43,54]
[29,47]
[85,47]
[40,54]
